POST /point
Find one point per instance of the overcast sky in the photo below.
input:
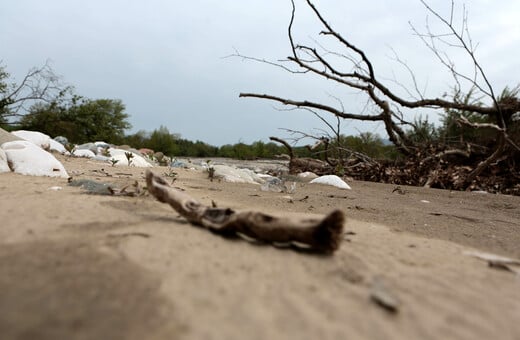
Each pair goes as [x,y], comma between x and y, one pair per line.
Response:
[165,59]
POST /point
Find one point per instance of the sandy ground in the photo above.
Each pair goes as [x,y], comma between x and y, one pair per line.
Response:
[79,266]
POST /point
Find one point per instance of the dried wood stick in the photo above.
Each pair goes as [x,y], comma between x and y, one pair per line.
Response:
[318,234]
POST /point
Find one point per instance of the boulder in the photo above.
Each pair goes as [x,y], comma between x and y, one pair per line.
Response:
[4,166]
[57,146]
[146,151]
[101,144]
[178,164]
[158,156]
[307,176]
[331,180]
[120,156]
[40,139]
[84,153]
[88,146]
[62,140]
[26,158]
[273,184]
[235,175]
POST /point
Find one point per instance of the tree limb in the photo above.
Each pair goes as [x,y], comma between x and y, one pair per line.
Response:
[308,104]
[284,143]
[317,234]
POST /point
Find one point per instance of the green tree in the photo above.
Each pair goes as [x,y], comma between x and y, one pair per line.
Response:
[243,151]
[138,139]
[202,149]
[81,120]
[99,119]
[270,150]
[162,140]
[451,131]
[371,145]
[188,148]
[367,143]
[226,151]
[49,119]
[259,150]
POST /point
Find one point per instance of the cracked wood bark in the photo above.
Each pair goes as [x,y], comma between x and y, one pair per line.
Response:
[318,234]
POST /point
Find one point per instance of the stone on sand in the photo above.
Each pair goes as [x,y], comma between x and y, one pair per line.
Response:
[235,175]
[84,153]
[62,140]
[40,139]
[307,176]
[4,166]
[57,146]
[331,180]
[120,156]
[28,159]
[88,146]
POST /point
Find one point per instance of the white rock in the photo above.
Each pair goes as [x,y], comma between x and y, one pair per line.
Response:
[102,158]
[35,137]
[331,180]
[137,160]
[307,176]
[84,153]
[4,166]
[28,159]
[87,146]
[101,147]
[272,184]
[101,144]
[61,139]
[57,146]
[234,175]
[265,177]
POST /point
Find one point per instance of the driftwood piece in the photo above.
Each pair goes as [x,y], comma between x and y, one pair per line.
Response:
[317,234]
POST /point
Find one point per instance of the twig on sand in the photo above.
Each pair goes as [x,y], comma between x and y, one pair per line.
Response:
[316,234]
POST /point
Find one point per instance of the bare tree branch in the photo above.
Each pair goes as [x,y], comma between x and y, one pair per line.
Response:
[308,104]
[40,84]
[308,232]
[360,74]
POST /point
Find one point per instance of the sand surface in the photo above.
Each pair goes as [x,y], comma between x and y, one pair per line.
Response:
[79,266]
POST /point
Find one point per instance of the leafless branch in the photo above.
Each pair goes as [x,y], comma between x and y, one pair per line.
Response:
[308,104]
[39,84]
[360,74]
[307,232]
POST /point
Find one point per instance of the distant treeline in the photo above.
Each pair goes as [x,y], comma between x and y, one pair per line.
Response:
[84,120]
[173,145]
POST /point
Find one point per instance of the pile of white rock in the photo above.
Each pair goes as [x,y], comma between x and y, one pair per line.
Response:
[270,183]
[27,153]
